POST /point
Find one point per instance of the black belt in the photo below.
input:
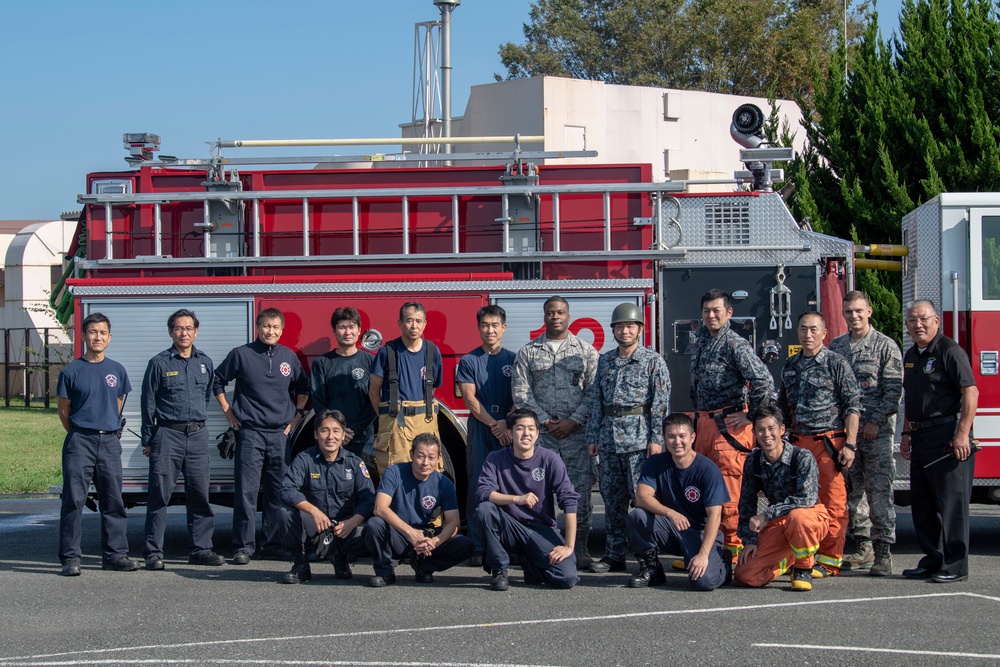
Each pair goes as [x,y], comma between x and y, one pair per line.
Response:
[827,440]
[183,427]
[929,423]
[726,411]
[92,431]
[616,411]
[407,410]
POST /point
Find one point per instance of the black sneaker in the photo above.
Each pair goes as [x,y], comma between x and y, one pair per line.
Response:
[71,568]
[208,557]
[241,558]
[381,582]
[498,582]
[154,563]
[120,564]
[607,564]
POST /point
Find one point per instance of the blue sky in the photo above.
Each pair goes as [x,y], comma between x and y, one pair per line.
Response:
[76,75]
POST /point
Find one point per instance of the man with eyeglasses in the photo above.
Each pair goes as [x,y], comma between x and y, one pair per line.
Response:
[267,375]
[940,401]
[176,391]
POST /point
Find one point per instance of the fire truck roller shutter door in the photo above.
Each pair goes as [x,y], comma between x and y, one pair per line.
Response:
[140,331]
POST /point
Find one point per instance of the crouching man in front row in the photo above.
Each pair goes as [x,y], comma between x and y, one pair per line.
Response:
[410,500]
[516,509]
[679,501]
[789,531]
[330,493]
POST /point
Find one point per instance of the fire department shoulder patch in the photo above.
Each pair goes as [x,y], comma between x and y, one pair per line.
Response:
[285,368]
[112,380]
[364,470]
[693,494]
[428,502]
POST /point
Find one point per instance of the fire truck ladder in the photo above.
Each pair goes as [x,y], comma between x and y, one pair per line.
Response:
[509,197]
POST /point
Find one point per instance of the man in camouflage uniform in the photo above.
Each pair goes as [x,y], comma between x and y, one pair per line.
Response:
[723,363]
[821,402]
[554,377]
[631,398]
[878,366]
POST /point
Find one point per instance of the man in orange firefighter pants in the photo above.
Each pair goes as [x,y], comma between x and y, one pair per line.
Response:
[723,363]
[821,401]
[786,535]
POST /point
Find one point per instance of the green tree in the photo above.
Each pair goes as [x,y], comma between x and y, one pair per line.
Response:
[742,47]
[915,117]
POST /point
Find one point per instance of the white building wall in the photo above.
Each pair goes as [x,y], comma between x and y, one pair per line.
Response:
[28,264]
[679,132]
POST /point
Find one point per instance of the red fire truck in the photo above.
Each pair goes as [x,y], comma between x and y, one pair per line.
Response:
[954,260]
[227,237]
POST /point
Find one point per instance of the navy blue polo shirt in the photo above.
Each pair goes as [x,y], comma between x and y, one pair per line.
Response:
[340,488]
[491,375]
[93,390]
[176,389]
[414,501]
[410,367]
[689,490]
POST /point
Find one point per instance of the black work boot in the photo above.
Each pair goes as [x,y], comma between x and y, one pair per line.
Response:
[342,567]
[650,571]
[300,568]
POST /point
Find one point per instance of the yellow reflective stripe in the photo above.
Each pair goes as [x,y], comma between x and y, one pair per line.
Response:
[805,551]
[782,566]
[829,560]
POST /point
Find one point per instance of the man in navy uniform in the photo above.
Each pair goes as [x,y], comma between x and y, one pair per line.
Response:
[266,374]
[483,377]
[678,509]
[518,491]
[340,381]
[412,500]
[176,390]
[330,491]
[91,392]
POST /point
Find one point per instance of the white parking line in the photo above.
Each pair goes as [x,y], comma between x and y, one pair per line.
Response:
[480,626]
[290,663]
[869,649]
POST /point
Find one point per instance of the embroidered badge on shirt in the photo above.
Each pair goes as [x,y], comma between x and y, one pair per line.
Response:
[358,373]
[693,494]
[508,370]
[314,475]
[349,474]
[364,470]
[285,368]
[428,502]
[929,366]
[538,474]
[171,374]
[112,380]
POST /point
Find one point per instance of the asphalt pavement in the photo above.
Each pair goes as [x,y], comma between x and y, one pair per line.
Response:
[243,615]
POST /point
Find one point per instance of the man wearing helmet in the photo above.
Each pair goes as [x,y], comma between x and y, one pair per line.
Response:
[631,397]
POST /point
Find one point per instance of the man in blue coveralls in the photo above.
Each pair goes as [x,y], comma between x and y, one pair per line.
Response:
[91,392]
[412,498]
[483,377]
[330,492]
[176,390]
[266,374]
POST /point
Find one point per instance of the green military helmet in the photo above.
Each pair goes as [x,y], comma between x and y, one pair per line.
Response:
[627,312]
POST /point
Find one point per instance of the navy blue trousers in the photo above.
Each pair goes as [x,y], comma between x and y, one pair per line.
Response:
[260,460]
[500,533]
[652,531]
[175,453]
[96,458]
[385,543]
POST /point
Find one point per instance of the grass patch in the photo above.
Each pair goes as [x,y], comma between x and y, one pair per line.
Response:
[31,449]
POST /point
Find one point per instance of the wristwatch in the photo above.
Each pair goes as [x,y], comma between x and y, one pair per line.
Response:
[850,446]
